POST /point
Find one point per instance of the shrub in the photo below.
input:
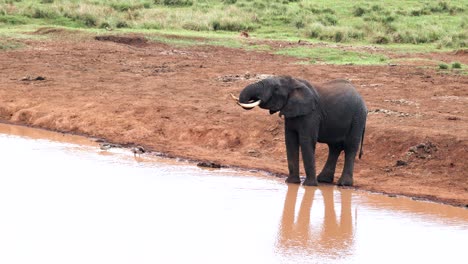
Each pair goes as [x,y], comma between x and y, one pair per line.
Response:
[339,36]
[122,7]
[43,13]
[174,2]
[443,66]
[359,11]
[328,20]
[104,25]
[456,65]
[380,39]
[88,19]
[376,8]
[229,25]
[121,24]
[299,23]
[315,30]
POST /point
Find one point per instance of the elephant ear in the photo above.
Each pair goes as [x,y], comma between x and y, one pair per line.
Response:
[302,100]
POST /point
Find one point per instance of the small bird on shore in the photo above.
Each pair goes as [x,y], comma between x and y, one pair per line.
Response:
[138,150]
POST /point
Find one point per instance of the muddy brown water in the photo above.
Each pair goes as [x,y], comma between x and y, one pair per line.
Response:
[63,200]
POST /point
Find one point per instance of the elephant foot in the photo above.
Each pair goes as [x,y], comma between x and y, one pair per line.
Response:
[325,177]
[345,180]
[310,182]
[293,180]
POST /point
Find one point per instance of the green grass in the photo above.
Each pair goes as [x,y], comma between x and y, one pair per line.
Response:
[410,26]
[206,40]
[334,56]
[442,24]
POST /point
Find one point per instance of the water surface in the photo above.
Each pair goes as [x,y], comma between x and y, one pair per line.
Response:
[63,200]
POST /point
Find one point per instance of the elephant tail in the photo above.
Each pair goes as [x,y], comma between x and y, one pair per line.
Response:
[362,142]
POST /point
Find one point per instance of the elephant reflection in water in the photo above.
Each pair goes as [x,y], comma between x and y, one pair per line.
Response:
[332,238]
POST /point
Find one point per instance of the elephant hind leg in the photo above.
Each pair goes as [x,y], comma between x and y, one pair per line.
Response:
[351,149]
[328,172]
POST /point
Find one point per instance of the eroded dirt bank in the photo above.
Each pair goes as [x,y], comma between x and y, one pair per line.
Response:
[176,100]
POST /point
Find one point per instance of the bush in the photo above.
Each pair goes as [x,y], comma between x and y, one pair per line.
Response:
[315,31]
[229,25]
[43,13]
[359,11]
[328,20]
[174,2]
[105,25]
[299,23]
[123,7]
[456,65]
[380,39]
[121,24]
[443,66]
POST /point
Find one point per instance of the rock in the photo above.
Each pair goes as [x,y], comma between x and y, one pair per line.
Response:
[423,150]
[207,164]
[401,163]
[32,78]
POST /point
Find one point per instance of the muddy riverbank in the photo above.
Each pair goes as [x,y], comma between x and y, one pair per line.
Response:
[175,100]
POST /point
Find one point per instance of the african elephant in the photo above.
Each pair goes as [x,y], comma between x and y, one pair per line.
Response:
[333,113]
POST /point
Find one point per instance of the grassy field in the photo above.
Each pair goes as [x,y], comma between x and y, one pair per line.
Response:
[408,26]
[443,23]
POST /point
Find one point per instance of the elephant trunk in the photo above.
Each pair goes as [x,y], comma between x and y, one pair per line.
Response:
[253,95]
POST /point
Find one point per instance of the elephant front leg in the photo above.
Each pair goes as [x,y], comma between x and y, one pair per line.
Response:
[292,149]
[308,157]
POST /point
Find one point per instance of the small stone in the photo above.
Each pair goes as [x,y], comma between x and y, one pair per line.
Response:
[401,163]
[413,149]
[207,164]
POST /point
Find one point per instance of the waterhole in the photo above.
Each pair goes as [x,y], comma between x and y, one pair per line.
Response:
[64,200]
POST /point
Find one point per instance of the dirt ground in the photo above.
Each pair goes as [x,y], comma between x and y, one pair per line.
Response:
[175,100]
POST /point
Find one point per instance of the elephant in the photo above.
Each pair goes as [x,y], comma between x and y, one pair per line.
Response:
[333,113]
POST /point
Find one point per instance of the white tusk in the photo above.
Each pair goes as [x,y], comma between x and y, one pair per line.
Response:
[234,97]
[251,105]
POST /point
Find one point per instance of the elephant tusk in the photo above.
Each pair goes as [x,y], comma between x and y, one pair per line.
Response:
[234,97]
[251,105]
